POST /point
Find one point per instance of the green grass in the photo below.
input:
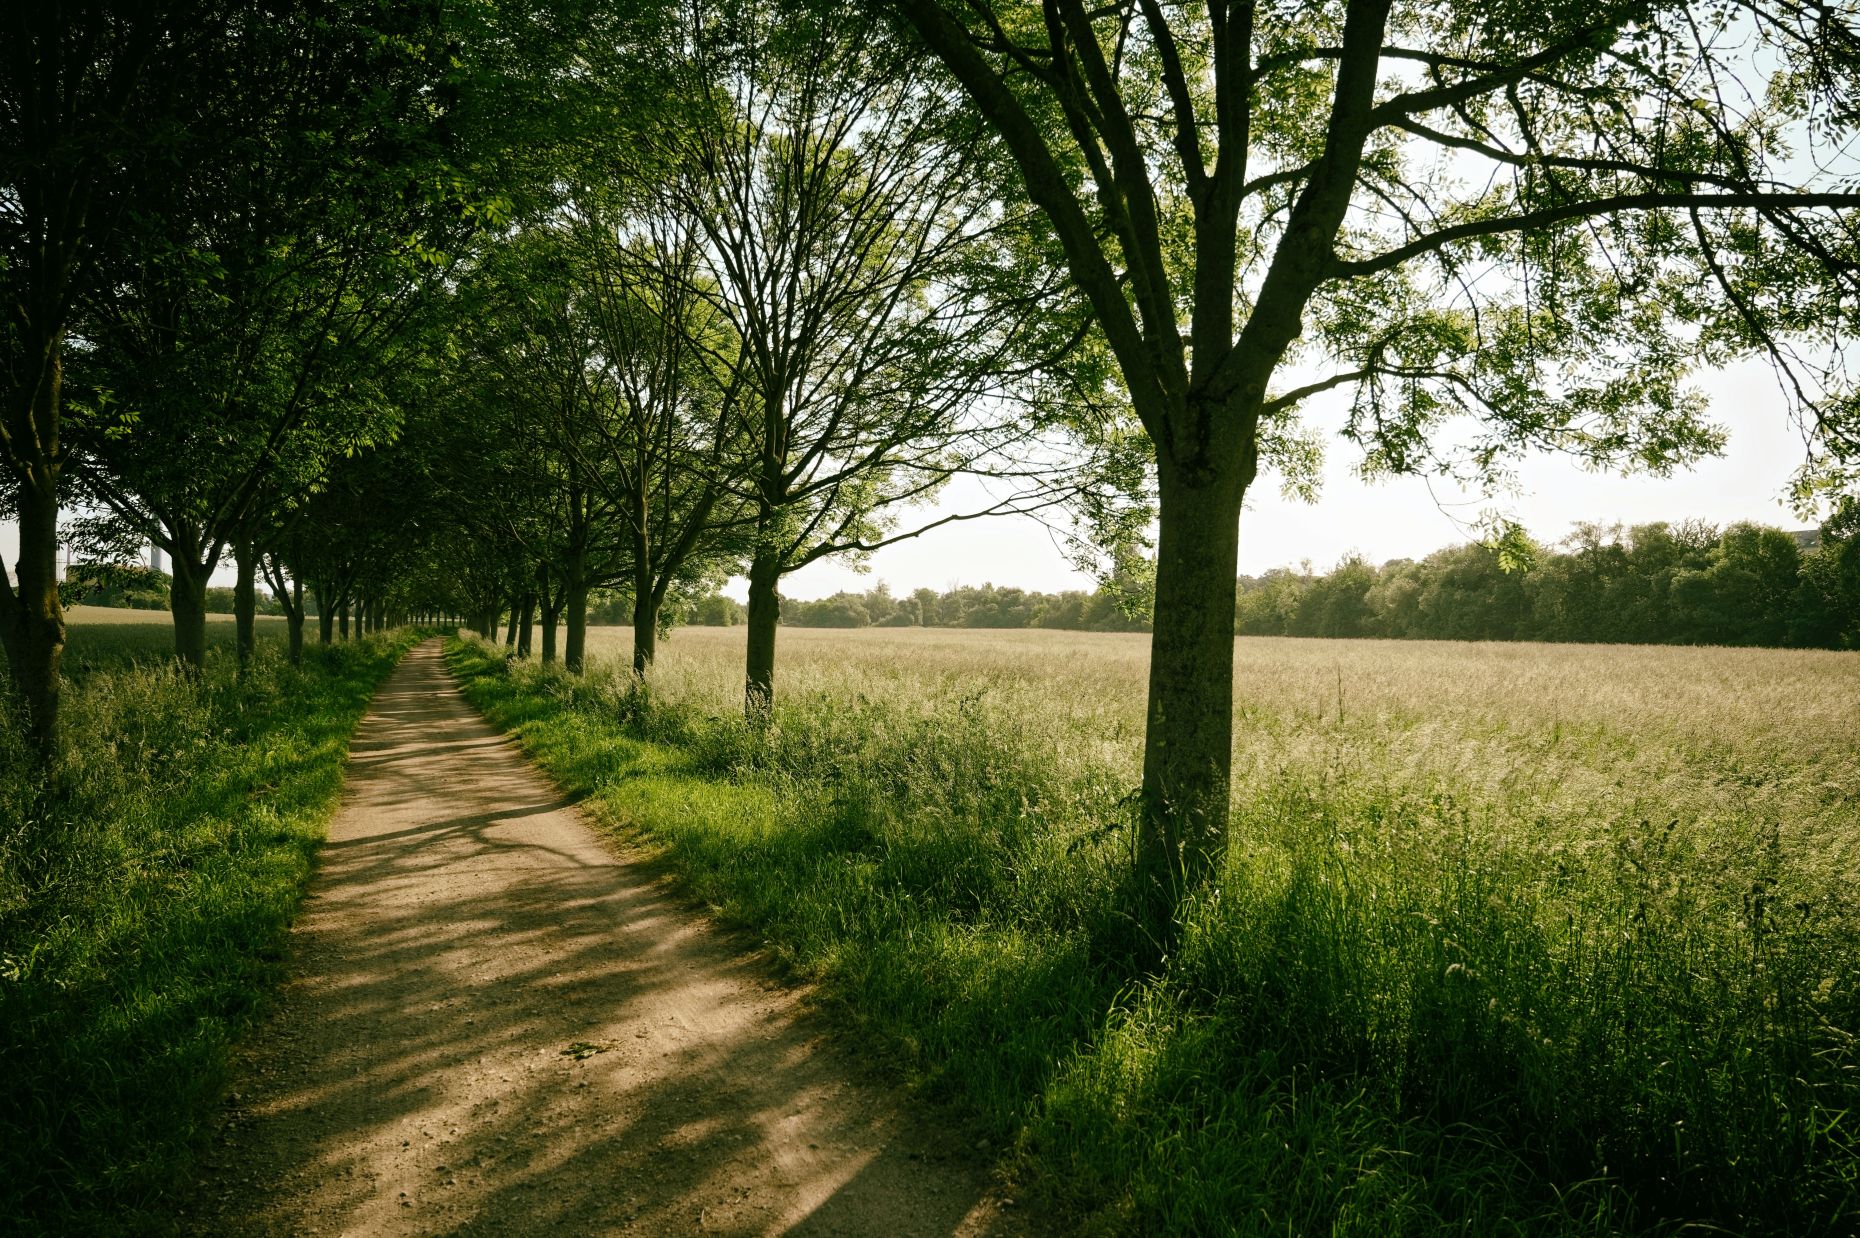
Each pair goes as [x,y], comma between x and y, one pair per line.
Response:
[101,637]
[143,908]
[1517,939]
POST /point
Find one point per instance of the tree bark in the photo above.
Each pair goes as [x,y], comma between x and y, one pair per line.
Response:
[325,614]
[188,600]
[551,616]
[764,616]
[645,608]
[245,603]
[1188,748]
[342,617]
[34,627]
[510,633]
[574,647]
[528,626]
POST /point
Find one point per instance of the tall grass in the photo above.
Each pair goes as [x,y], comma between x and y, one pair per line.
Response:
[143,904]
[1512,939]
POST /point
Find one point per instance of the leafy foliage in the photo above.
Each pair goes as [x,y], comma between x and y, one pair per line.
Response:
[1652,584]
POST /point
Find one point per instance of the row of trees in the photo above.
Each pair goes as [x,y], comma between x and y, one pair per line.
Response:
[390,310]
[1651,584]
[1689,583]
[224,230]
[756,324]
[970,606]
[476,309]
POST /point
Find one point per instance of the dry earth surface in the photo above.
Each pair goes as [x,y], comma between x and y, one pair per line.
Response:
[498,1023]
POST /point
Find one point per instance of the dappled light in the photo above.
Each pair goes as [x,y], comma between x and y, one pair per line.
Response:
[495,1024]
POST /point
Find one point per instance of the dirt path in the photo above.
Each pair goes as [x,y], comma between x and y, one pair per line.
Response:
[497,1024]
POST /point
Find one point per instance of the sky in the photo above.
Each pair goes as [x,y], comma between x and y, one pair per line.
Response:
[1401,518]
[1398,518]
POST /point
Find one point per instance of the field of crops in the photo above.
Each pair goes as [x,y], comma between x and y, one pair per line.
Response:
[1512,937]
[1541,747]
[104,637]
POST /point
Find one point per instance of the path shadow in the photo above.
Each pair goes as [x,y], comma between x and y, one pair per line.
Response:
[495,1026]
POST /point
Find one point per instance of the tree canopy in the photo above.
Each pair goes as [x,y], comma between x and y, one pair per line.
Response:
[1503,228]
[496,312]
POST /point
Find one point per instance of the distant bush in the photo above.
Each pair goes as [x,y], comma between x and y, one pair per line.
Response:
[220,602]
[967,606]
[124,585]
[715,611]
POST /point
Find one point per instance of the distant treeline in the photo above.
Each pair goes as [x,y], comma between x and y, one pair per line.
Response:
[1688,583]
[133,587]
[970,606]
[1651,584]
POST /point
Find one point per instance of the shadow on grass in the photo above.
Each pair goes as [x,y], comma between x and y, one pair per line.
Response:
[420,1071]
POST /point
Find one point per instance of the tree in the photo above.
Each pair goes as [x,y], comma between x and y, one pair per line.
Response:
[1743,596]
[539,373]
[1826,608]
[1531,218]
[666,432]
[239,338]
[85,97]
[879,319]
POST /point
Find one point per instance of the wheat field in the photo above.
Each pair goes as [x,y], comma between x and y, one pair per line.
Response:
[1510,938]
[1554,745]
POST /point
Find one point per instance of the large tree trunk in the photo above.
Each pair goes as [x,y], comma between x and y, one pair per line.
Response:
[527,627]
[574,648]
[188,600]
[294,618]
[510,633]
[34,621]
[645,618]
[245,603]
[342,618]
[551,617]
[1188,747]
[764,615]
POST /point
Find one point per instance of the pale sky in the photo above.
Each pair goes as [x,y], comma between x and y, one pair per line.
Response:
[1381,521]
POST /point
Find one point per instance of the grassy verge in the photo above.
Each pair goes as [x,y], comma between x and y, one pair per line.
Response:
[1403,1009]
[143,910]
